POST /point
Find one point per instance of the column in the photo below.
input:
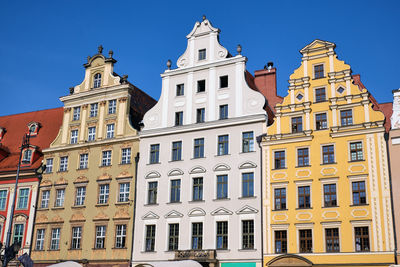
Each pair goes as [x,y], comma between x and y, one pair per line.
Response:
[121,115]
[67,114]
[101,120]
[83,124]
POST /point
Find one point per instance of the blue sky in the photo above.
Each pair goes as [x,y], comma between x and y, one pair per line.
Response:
[43,44]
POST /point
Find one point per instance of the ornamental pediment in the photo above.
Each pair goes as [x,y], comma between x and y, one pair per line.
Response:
[247,210]
[197,169]
[173,214]
[175,172]
[152,174]
[196,212]
[221,211]
[221,167]
[150,216]
[247,165]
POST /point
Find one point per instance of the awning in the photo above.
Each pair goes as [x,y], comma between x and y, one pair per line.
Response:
[186,263]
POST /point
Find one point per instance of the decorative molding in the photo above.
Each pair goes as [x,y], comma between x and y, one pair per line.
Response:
[356,168]
[197,169]
[279,175]
[150,216]
[196,212]
[221,167]
[326,214]
[304,216]
[359,213]
[303,173]
[175,172]
[325,171]
[152,174]
[247,210]
[221,211]
[280,217]
[247,165]
[173,214]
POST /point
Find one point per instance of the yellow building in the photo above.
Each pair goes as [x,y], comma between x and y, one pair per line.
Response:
[326,198]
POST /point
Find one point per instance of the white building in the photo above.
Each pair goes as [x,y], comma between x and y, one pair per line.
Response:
[198,190]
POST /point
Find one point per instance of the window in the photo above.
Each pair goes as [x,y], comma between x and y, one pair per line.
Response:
[173,240]
[319,71]
[346,117]
[320,95]
[100,236]
[248,234]
[80,196]
[18,234]
[197,189]
[223,112]
[154,153]
[222,186]
[110,131]
[91,133]
[104,191]
[302,157]
[32,129]
[106,159]
[63,164]
[248,184]
[200,115]
[39,239]
[356,151]
[340,90]
[279,159]
[60,195]
[223,81]
[176,150]
[26,159]
[49,165]
[120,236]
[304,197]
[330,195]
[23,196]
[280,241]
[359,194]
[150,237]
[222,235]
[179,118]
[197,235]
[247,142]
[328,154]
[320,121]
[76,237]
[76,115]
[93,110]
[361,235]
[124,192]
[175,191]
[112,106]
[198,148]
[297,124]
[83,161]
[55,239]
[280,198]
[201,86]
[44,202]
[3,199]
[126,156]
[152,193]
[223,144]
[74,137]
[332,240]
[180,89]
[305,240]
[97,80]
[202,54]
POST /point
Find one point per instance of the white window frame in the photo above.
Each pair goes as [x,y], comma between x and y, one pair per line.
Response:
[39,244]
[121,235]
[125,194]
[300,184]
[56,238]
[328,225]
[44,202]
[322,155]
[126,155]
[327,120]
[76,236]
[60,198]
[349,149]
[106,158]
[305,226]
[297,156]
[105,194]
[102,235]
[359,178]
[280,227]
[325,181]
[112,108]
[362,223]
[278,186]
[83,161]
[91,134]
[76,113]
[63,163]
[49,165]
[110,130]
[94,107]
[80,195]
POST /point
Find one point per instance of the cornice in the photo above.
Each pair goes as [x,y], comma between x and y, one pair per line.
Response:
[352,132]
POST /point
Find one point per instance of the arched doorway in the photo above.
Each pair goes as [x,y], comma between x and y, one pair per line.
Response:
[289,260]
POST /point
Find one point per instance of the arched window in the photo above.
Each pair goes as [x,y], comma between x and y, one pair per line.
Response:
[27,156]
[32,128]
[97,80]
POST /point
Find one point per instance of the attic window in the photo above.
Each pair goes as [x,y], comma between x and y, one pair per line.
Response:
[26,159]
[33,128]
[2,132]
[97,80]
[340,90]
[202,54]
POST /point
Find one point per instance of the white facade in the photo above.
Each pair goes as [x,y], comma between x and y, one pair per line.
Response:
[204,59]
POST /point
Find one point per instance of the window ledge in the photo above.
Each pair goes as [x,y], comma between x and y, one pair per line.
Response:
[279,169]
[327,207]
[128,163]
[321,129]
[305,166]
[78,207]
[247,249]
[119,248]
[153,163]
[221,199]
[223,155]
[359,160]
[171,203]
[105,166]
[358,205]
[310,208]
[223,250]
[61,171]
[176,160]
[82,169]
[98,248]
[144,251]
[330,163]
[57,208]
[151,204]
[199,158]
[316,79]
[320,101]
[75,249]
[196,201]
[249,197]
[42,209]
[101,205]
[247,152]
[281,210]
[122,203]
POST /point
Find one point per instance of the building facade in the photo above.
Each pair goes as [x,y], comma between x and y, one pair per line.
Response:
[85,209]
[199,174]
[327,189]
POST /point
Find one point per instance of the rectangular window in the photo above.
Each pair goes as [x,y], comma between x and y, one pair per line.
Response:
[305,239]
[330,195]
[201,86]
[106,159]
[124,192]
[44,202]
[120,236]
[248,234]
[200,115]
[104,192]
[126,156]
[304,197]
[26,159]
[222,235]
[359,194]
[152,193]
[247,142]
[100,236]
[332,240]
[80,196]
[319,71]
[60,195]
[175,191]
[112,106]
[76,113]
[83,161]
[154,153]
[222,186]
[91,133]
[176,150]
[110,131]
[302,157]
[179,118]
[248,184]
[223,81]
[18,233]
[93,110]
[223,112]
[223,145]
[356,151]
[202,54]
[280,198]
[23,196]
[197,189]
[39,239]
[297,124]
[76,237]
[74,137]
[55,239]
[180,89]
[320,95]
[63,164]
[150,237]
[281,242]
[3,199]
[197,236]
[198,148]
[279,158]
[346,117]
[320,121]
[361,235]
[49,165]
[173,239]
[328,154]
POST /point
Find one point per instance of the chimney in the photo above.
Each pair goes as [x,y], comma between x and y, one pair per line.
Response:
[265,81]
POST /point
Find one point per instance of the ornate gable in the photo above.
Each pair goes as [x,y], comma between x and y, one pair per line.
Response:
[317,45]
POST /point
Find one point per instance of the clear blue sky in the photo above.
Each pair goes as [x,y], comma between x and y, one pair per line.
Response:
[43,44]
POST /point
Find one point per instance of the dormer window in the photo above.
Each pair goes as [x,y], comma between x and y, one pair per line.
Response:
[27,156]
[202,54]
[2,132]
[97,80]
[33,128]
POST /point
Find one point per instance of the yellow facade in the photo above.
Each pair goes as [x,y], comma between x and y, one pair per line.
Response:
[325,157]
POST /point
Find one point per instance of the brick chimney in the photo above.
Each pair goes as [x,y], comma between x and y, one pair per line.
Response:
[265,81]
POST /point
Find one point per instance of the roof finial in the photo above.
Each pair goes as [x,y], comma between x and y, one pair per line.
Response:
[204,17]
[169,63]
[110,53]
[239,49]
[100,49]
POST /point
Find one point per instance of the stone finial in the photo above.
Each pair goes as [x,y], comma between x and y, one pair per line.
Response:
[239,49]
[204,17]
[169,64]
[110,53]
[100,49]
[71,90]
[124,79]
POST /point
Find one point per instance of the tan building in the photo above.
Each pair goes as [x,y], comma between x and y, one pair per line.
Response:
[85,207]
